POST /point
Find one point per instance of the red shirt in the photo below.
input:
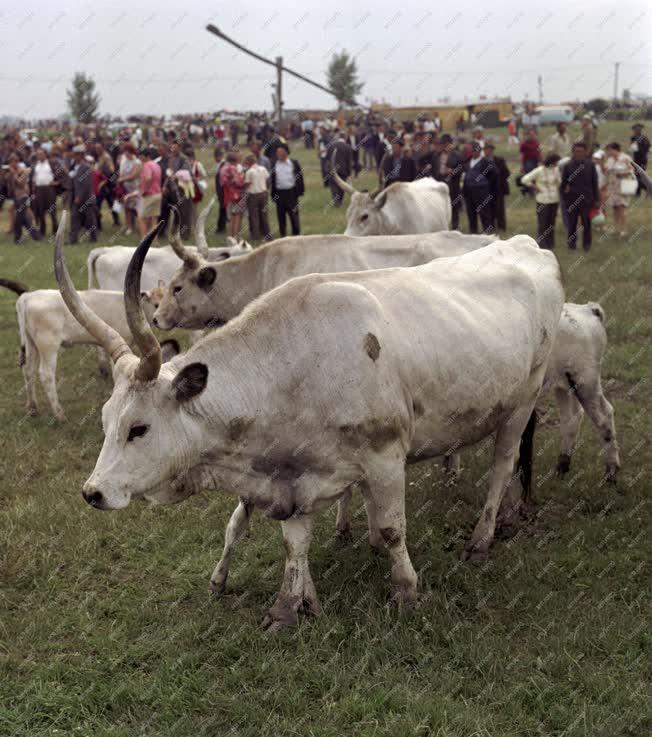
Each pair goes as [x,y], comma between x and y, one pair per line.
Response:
[151,171]
[530,150]
[232,182]
[97,178]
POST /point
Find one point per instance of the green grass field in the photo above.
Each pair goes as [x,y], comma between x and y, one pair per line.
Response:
[107,627]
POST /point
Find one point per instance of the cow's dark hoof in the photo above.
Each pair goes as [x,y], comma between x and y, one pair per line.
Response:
[611,473]
[344,536]
[475,552]
[563,464]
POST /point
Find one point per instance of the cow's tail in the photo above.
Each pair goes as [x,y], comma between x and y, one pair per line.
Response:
[526,456]
[90,265]
[22,331]
[15,286]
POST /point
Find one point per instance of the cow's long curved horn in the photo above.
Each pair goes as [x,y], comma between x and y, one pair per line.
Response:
[643,176]
[338,180]
[112,342]
[200,229]
[150,362]
[182,252]
[376,192]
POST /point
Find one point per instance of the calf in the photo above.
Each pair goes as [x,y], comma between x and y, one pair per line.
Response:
[45,325]
[328,381]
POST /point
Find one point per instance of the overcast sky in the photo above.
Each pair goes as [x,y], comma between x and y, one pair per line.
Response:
[156,58]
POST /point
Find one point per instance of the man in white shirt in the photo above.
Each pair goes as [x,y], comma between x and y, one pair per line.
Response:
[257,183]
[45,193]
[287,187]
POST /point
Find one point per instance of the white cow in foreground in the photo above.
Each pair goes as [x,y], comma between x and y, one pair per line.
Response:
[423,206]
[331,381]
[45,325]
[204,294]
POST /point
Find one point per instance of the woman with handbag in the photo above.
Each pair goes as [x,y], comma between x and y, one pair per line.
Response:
[621,183]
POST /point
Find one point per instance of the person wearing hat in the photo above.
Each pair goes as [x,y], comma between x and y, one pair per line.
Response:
[639,146]
[450,168]
[287,186]
[396,166]
[589,134]
[479,183]
[83,200]
[500,184]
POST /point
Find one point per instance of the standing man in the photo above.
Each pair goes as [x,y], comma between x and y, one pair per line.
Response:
[339,156]
[106,167]
[260,157]
[323,142]
[257,185]
[579,191]
[451,166]
[219,190]
[353,139]
[640,146]
[287,187]
[19,187]
[45,194]
[588,134]
[559,143]
[307,126]
[83,199]
[500,185]
[396,167]
[479,182]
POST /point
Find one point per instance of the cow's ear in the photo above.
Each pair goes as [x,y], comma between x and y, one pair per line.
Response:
[206,277]
[190,382]
[380,200]
[144,296]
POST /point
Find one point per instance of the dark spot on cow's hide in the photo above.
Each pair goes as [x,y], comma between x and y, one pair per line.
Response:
[391,536]
[544,335]
[378,434]
[281,509]
[371,346]
[417,406]
[597,311]
[608,437]
[238,427]
[21,357]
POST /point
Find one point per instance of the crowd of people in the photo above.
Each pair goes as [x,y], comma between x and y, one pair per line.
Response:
[575,174]
[141,174]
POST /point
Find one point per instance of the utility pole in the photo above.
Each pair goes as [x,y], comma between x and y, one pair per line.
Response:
[279,89]
[616,68]
[540,83]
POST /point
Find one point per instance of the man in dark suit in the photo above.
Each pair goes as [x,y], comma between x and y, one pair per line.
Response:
[339,156]
[500,185]
[354,139]
[579,193]
[219,190]
[479,182]
[397,167]
[450,168]
[287,186]
[426,160]
[640,147]
[83,199]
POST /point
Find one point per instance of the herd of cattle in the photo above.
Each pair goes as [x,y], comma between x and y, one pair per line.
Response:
[325,364]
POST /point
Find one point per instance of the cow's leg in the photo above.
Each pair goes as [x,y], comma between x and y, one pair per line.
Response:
[30,361]
[386,510]
[235,529]
[601,413]
[570,419]
[452,467]
[297,592]
[343,522]
[48,375]
[505,452]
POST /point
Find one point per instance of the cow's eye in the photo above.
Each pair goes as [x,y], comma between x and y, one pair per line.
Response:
[365,216]
[176,290]
[137,431]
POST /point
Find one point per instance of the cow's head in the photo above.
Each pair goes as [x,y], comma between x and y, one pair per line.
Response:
[364,215]
[194,298]
[152,436]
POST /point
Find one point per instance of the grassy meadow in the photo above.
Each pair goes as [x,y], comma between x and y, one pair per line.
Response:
[107,628]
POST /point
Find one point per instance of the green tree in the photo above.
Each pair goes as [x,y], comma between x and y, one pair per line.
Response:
[598,105]
[83,101]
[342,77]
